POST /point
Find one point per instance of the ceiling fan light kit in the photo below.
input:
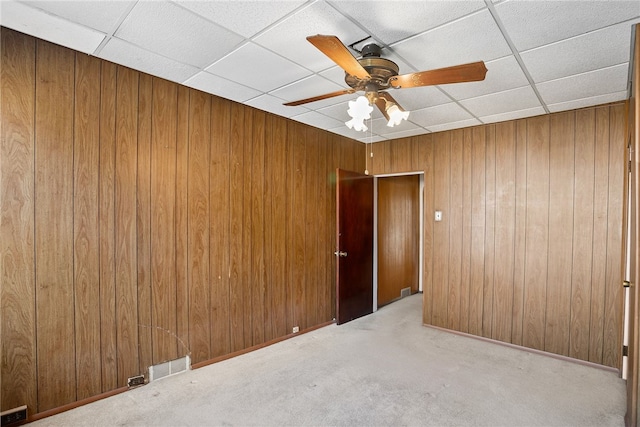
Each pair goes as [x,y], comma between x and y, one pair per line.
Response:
[374,75]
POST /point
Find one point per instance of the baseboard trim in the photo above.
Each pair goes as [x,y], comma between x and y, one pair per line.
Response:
[258,346]
[529,350]
[75,404]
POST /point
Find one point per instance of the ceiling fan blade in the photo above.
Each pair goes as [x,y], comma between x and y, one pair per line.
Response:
[338,53]
[472,72]
[319,97]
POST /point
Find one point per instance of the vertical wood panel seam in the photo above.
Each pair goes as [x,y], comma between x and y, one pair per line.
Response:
[35,242]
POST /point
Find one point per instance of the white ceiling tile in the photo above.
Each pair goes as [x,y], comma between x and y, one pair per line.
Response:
[379,126]
[274,105]
[513,115]
[222,87]
[454,125]
[419,97]
[265,71]
[502,74]
[148,62]
[502,102]
[392,21]
[588,102]
[345,131]
[174,32]
[586,85]
[318,120]
[246,18]
[587,52]
[447,113]
[337,111]
[102,15]
[473,38]
[535,23]
[307,88]
[288,37]
[45,26]
[407,133]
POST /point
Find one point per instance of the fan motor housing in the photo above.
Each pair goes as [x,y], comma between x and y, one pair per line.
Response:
[380,69]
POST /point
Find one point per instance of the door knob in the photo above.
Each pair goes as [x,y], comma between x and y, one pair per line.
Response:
[340,253]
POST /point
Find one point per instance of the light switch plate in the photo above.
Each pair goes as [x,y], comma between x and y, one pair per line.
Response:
[438,215]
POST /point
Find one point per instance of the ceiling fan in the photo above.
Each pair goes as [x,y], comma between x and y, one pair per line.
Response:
[374,75]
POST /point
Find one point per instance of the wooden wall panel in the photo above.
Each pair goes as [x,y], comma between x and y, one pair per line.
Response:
[54,225]
[537,233]
[612,352]
[86,238]
[505,213]
[143,226]
[478,209]
[107,220]
[257,282]
[519,252]
[126,269]
[17,171]
[198,236]
[561,220]
[465,273]
[181,334]
[442,229]
[455,229]
[583,243]
[490,232]
[220,167]
[163,219]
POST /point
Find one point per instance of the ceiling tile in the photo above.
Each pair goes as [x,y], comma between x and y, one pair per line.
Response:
[379,127]
[274,105]
[588,102]
[454,125]
[586,85]
[246,18]
[43,25]
[264,71]
[393,21]
[148,62]
[502,74]
[222,87]
[177,33]
[513,115]
[371,140]
[337,111]
[419,97]
[318,120]
[307,88]
[102,15]
[587,52]
[473,38]
[288,37]
[407,133]
[535,23]
[447,113]
[502,102]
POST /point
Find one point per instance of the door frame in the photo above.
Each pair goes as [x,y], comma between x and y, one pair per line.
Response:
[375,231]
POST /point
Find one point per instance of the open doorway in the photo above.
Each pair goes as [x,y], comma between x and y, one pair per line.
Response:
[397,237]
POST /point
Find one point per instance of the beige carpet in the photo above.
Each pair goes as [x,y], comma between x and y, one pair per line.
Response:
[381,370]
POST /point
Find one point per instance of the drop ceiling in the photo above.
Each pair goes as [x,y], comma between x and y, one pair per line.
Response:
[541,56]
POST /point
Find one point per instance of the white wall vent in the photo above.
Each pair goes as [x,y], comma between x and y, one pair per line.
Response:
[171,367]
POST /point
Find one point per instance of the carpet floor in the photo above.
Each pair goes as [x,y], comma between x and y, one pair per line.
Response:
[385,369]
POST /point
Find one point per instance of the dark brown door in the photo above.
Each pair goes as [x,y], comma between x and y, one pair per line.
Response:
[354,239]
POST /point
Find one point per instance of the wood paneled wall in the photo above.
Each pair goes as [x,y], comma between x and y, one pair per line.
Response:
[529,250]
[144,221]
